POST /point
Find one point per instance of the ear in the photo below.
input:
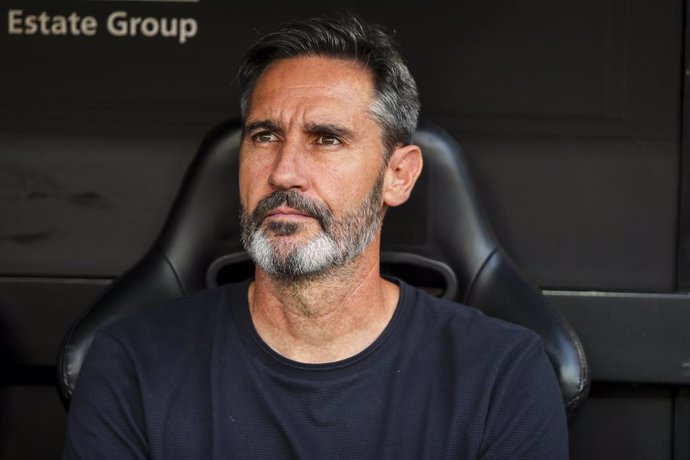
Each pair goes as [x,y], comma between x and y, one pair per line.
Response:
[404,167]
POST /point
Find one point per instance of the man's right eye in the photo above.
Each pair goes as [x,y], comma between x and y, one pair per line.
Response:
[264,137]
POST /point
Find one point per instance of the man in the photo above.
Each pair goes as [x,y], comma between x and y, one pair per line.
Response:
[319,356]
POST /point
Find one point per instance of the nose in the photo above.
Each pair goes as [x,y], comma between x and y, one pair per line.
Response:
[287,169]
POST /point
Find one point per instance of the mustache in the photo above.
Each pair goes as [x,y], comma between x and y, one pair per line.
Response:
[294,200]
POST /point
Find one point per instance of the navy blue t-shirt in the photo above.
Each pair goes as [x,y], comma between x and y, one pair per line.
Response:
[193,380]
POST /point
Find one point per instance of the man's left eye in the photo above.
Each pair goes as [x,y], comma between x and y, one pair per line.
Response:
[328,140]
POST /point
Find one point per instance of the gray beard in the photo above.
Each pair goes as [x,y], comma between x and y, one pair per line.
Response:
[337,242]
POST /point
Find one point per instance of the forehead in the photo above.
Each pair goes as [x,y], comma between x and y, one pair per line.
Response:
[314,86]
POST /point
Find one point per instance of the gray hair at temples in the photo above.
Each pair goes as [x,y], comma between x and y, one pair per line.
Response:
[346,37]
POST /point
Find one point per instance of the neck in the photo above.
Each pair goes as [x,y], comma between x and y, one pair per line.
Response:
[326,318]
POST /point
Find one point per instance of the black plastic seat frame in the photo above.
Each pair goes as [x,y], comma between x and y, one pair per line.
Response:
[440,240]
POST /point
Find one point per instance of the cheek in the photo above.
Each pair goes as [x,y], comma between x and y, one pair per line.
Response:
[250,184]
[345,192]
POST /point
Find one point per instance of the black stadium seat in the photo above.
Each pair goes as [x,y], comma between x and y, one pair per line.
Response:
[440,240]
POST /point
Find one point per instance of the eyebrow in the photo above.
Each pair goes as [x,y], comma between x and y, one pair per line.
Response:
[269,125]
[318,129]
[328,129]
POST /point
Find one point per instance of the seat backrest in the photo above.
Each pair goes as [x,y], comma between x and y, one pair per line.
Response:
[440,240]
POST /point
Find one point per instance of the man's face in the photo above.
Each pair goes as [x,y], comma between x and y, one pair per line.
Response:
[311,166]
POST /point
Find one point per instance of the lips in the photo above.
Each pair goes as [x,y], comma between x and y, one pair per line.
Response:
[287,206]
[284,211]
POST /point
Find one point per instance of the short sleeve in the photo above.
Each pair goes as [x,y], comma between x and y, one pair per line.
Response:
[105,419]
[526,418]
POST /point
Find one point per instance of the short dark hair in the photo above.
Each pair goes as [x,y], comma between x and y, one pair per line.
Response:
[396,104]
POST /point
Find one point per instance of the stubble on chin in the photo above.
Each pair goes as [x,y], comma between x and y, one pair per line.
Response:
[280,228]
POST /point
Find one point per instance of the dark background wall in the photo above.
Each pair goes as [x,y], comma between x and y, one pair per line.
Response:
[570,114]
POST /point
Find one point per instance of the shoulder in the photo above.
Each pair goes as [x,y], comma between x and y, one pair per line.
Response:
[175,322]
[505,369]
[462,341]
[161,343]
[467,327]
[135,368]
